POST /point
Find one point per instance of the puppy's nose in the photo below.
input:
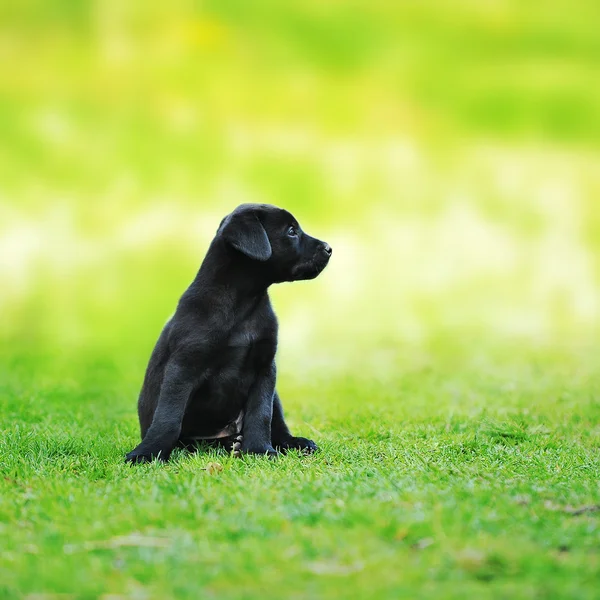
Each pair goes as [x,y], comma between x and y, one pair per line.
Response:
[327,248]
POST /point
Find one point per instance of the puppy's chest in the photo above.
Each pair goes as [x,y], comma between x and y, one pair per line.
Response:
[248,335]
[254,340]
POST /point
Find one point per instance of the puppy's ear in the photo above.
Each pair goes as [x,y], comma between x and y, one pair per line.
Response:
[245,233]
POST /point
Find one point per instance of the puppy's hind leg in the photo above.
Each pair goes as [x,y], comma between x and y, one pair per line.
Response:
[162,436]
[153,379]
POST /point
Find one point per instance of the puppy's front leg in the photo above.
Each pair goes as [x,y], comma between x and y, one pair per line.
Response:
[258,414]
[161,437]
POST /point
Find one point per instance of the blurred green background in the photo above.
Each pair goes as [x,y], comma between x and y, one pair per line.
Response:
[447,151]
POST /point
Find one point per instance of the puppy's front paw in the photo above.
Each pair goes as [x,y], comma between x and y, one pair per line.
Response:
[136,456]
[268,451]
[305,445]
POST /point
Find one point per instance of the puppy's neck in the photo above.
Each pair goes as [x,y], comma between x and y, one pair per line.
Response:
[231,276]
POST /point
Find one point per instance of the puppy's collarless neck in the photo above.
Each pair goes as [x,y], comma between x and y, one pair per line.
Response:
[224,283]
[232,272]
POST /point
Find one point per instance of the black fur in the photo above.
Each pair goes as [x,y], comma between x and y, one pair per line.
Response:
[214,363]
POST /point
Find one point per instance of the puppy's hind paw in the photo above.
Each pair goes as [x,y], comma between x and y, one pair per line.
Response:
[236,448]
[267,451]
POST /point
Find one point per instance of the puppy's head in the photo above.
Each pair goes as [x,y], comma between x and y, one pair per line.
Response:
[274,241]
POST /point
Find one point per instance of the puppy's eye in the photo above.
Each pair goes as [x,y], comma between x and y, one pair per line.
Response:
[292,231]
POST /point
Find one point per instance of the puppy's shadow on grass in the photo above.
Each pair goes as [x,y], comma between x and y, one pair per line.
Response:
[202,449]
[210,451]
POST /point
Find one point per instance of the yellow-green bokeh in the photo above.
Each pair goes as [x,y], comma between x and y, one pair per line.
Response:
[449,152]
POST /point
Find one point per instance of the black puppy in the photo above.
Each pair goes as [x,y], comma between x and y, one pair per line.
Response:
[212,372]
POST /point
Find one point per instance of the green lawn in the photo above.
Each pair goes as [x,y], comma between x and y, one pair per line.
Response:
[459,477]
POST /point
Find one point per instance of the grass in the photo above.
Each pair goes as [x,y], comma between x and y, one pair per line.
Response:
[462,477]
